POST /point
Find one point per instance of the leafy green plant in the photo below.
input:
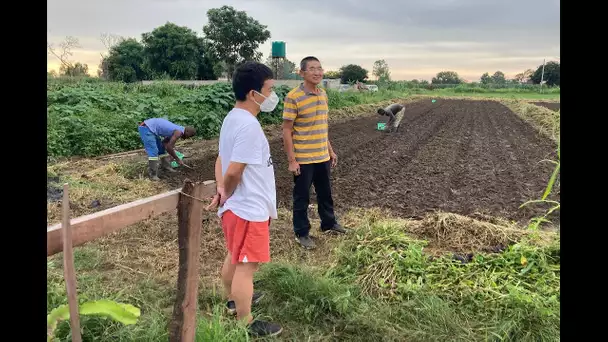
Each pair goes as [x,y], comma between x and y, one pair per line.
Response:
[126,314]
[555,205]
[95,118]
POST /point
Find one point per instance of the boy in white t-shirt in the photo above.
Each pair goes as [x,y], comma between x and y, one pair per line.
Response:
[246,192]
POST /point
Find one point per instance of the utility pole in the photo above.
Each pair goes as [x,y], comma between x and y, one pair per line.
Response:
[542,76]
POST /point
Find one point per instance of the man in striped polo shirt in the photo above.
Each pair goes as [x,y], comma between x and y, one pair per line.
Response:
[309,151]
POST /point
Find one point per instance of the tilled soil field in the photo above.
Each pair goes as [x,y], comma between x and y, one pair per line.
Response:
[459,156]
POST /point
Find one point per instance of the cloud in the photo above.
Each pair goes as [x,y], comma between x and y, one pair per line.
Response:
[417,38]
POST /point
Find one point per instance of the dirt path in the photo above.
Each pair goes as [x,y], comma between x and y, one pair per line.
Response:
[453,155]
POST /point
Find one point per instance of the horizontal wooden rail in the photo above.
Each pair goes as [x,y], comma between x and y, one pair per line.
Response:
[90,227]
[180,143]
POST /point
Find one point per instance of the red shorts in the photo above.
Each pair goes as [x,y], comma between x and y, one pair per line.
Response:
[247,241]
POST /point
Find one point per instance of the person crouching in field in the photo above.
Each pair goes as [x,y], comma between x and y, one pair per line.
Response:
[395,113]
[246,192]
[151,132]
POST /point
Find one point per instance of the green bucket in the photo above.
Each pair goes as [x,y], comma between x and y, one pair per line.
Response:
[180,156]
[381,126]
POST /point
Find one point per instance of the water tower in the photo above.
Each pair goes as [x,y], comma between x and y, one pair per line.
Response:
[278,57]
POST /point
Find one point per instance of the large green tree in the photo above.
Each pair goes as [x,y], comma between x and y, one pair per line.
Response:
[381,71]
[172,50]
[551,75]
[352,73]
[234,36]
[206,61]
[485,78]
[446,77]
[499,78]
[125,62]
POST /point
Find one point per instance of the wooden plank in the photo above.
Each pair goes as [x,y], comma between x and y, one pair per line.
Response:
[90,227]
[179,143]
[69,272]
[189,213]
[93,226]
[120,155]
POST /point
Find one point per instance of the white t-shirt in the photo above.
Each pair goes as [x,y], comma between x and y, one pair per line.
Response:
[242,140]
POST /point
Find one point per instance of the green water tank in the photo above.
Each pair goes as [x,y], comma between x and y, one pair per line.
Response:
[278,50]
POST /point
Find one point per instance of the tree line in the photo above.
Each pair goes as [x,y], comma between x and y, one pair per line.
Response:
[175,52]
[355,73]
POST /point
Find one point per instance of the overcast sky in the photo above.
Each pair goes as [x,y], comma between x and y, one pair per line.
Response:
[417,38]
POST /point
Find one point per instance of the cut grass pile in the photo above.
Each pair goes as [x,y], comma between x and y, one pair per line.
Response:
[513,295]
[94,187]
[544,120]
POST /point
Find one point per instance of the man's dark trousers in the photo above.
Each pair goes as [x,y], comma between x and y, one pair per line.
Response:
[317,174]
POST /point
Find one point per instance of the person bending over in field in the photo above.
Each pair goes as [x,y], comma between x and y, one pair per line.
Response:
[395,113]
[151,132]
[246,192]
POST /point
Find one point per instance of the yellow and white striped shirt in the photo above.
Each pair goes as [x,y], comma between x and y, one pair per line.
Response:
[308,111]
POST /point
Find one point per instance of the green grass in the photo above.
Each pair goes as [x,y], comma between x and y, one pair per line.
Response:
[379,286]
[514,294]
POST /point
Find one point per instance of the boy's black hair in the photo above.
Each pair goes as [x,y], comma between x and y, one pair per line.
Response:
[249,76]
[305,61]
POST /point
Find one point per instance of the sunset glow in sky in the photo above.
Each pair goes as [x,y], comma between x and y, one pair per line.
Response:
[417,38]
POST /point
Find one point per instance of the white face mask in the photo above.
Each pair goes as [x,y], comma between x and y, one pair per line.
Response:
[270,102]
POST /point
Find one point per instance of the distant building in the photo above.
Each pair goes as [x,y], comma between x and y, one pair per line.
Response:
[331,83]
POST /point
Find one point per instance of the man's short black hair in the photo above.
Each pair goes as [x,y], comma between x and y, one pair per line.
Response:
[249,76]
[305,61]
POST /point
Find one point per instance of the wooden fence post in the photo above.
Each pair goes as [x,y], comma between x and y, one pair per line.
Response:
[69,273]
[189,215]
